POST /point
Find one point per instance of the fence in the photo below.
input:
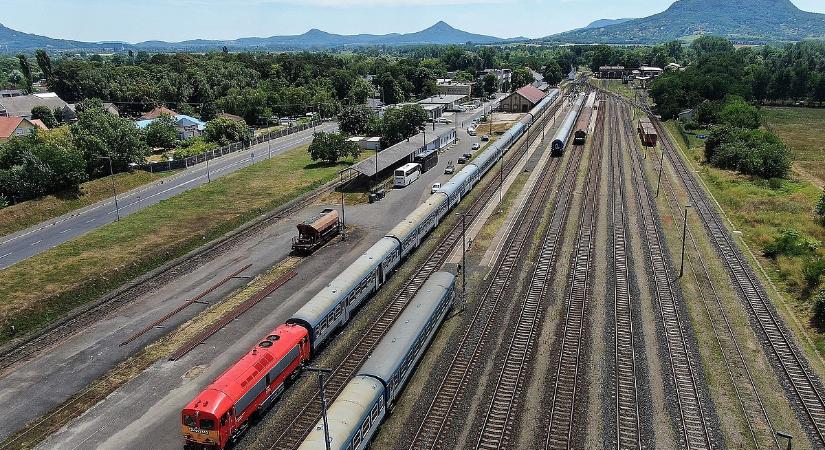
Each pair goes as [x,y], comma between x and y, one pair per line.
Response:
[225,150]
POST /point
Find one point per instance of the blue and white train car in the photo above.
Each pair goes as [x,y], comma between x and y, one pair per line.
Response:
[358,411]
[460,185]
[333,306]
[415,227]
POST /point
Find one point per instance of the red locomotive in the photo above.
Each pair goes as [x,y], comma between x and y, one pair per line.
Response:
[222,411]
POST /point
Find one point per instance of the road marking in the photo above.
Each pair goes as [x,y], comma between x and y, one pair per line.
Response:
[35,243]
[7,254]
[66,231]
[90,220]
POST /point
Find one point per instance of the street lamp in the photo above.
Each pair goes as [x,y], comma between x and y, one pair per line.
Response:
[321,372]
[114,190]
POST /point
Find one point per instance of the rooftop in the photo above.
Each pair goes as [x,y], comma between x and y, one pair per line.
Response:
[8,125]
[442,99]
[392,155]
[531,93]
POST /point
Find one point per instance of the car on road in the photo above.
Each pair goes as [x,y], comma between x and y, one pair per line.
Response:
[462,160]
[471,131]
[467,156]
[476,146]
[450,169]
[436,187]
[485,138]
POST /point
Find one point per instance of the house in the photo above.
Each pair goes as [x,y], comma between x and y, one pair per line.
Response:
[366,143]
[449,87]
[5,93]
[187,126]
[612,72]
[231,117]
[22,105]
[17,126]
[522,100]
[443,102]
[157,112]
[686,115]
[673,67]
[504,76]
[650,71]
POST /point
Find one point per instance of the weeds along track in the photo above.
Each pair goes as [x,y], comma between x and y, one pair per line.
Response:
[502,409]
[759,426]
[579,292]
[694,429]
[627,418]
[467,360]
[804,388]
[307,416]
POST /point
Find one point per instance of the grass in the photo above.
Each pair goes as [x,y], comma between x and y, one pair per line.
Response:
[28,213]
[760,209]
[617,87]
[82,269]
[802,130]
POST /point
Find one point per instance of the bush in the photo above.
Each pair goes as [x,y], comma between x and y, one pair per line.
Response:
[812,272]
[790,242]
[751,152]
[819,311]
[194,147]
[331,147]
[223,131]
[820,208]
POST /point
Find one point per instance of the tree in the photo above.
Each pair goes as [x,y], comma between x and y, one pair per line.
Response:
[45,64]
[391,92]
[45,115]
[355,120]
[402,123]
[819,311]
[521,77]
[26,69]
[552,73]
[490,84]
[223,131]
[98,134]
[360,91]
[737,113]
[162,132]
[331,147]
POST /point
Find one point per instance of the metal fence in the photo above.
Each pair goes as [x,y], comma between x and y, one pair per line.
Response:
[225,150]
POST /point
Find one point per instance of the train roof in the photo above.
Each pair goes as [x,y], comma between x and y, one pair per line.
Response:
[322,221]
[407,226]
[346,414]
[230,386]
[393,348]
[567,126]
[458,180]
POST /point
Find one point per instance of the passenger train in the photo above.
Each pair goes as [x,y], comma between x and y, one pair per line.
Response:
[564,132]
[222,411]
[363,404]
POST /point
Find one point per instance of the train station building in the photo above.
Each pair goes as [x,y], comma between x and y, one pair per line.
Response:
[433,138]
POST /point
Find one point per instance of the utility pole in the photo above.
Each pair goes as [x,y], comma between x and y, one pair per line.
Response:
[114,190]
[208,173]
[321,372]
[343,211]
[684,242]
[463,260]
[661,168]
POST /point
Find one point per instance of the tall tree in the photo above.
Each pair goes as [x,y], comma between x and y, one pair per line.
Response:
[26,69]
[45,64]
[521,77]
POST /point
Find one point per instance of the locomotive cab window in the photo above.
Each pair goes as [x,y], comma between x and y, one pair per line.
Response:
[224,419]
[207,424]
[189,421]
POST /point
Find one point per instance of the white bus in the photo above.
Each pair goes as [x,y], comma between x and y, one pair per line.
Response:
[407,174]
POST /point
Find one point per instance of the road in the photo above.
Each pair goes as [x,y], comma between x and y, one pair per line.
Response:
[91,353]
[45,235]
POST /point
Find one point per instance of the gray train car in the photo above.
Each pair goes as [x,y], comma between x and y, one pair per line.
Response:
[563,134]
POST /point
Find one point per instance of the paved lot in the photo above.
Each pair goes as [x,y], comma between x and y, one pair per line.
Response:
[35,387]
[41,237]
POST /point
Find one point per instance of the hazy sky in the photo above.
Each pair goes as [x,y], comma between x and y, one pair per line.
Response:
[174,20]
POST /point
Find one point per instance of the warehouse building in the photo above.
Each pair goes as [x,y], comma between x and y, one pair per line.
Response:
[523,100]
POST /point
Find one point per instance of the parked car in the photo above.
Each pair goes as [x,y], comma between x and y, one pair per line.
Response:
[471,131]
[485,138]
[450,169]
[462,160]
[436,187]
[467,156]
[476,146]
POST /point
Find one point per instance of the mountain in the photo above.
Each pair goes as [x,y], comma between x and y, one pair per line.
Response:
[440,33]
[606,22]
[743,21]
[13,41]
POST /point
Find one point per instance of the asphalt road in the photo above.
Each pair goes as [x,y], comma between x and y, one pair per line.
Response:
[155,397]
[43,236]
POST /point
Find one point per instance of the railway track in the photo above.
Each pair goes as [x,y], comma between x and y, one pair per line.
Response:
[305,419]
[498,421]
[628,431]
[804,388]
[694,430]
[579,291]
[33,344]
[758,423]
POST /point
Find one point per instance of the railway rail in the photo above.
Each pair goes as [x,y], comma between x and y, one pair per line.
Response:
[29,346]
[579,291]
[694,428]
[805,389]
[627,419]
[305,419]
[498,421]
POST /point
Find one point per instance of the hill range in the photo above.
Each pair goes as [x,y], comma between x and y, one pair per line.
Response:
[743,21]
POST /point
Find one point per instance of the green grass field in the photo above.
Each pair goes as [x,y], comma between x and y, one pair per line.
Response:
[760,209]
[803,130]
[25,214]
[84,268]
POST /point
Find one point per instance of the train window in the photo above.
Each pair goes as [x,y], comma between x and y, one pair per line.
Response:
[189,421]
[207,424]
[224,419]
[265,344]
[273,337]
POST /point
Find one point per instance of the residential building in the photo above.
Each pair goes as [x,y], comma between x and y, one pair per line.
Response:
[5,93]
[449,87]
[522,100]
[17,126]
[366,143]
[22,105]
[187,126]
[157,112]
[231,117]
[505,76]
[649,71]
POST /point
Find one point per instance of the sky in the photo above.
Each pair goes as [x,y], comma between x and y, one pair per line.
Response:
[176,20]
